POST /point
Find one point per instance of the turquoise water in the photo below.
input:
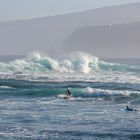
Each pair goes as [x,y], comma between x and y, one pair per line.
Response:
[32,104]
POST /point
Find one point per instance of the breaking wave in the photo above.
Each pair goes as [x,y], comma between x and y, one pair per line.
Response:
[77,62]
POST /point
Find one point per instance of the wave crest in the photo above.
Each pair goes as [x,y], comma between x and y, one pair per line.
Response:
[77,62]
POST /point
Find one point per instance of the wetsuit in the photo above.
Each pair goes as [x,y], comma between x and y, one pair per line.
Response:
[69,93]
[129,109]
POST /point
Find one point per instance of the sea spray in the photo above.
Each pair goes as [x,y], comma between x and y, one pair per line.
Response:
[76,62]
[77,66]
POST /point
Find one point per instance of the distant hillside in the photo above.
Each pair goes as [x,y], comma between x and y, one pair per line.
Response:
[106,41]
[49,33]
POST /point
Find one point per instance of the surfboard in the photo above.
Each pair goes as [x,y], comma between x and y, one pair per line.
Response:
[128,110]
[62,96]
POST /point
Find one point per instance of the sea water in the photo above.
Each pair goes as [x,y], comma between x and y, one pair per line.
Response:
[32,104]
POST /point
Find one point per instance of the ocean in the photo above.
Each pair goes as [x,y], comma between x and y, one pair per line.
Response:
[32,104]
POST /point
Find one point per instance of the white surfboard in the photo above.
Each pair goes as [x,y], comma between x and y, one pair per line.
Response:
[62,96]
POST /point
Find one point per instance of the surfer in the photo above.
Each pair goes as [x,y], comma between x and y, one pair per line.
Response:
[69,94]
[130,109]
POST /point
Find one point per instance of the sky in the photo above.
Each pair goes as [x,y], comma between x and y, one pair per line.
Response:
[27,9]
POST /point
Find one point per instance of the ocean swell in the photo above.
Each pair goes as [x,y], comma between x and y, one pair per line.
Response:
[77,62]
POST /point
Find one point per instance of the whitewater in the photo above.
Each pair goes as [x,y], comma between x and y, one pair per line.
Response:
[32,104]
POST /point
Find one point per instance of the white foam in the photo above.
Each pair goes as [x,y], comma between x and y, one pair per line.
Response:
[77,66]
[89,90]
[95,91]
[5,87]
[77,62]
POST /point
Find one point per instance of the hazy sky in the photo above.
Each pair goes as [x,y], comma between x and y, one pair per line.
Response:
[24,9]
